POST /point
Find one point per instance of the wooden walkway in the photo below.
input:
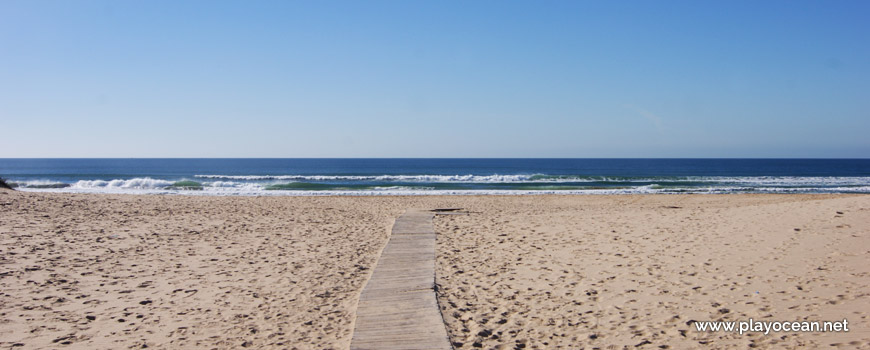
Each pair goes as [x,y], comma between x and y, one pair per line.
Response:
[397,308]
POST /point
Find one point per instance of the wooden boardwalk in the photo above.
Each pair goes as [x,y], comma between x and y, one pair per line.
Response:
[397,309]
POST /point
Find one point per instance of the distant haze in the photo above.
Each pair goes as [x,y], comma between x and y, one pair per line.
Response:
[435,79]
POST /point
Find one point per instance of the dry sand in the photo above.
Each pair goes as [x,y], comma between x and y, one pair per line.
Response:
[123,271]
[635,271]
[120,271]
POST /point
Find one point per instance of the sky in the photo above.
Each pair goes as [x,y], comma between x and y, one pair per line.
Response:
[576,79]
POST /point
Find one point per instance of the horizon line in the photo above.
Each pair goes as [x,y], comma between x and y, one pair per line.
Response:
[687,158]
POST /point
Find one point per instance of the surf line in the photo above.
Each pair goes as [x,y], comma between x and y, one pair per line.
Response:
[398,308]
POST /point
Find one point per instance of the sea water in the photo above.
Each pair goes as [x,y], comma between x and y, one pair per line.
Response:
[436,176]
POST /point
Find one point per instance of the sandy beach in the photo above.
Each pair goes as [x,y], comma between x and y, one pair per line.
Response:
[635,271]
[103,271]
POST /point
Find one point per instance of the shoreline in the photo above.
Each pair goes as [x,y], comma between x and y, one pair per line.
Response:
[432,193]
[285,272]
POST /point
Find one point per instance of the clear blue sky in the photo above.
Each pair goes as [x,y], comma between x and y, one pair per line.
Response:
[435,79]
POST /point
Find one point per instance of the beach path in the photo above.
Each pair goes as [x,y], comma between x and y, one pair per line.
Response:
[398,309]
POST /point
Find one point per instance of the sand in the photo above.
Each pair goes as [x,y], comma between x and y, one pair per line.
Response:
[126,271]
[133,271]
[635,271]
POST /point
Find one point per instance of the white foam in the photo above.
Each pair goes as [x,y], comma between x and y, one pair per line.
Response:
[230,186]
[254,185]
[254,190]
[403,178]
[538,178]
[36,183]
[135,183]
[782,180]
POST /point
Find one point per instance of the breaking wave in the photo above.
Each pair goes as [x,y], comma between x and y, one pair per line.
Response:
[256,185]
[136,183]
[535,178]
[43,184]
[394,178]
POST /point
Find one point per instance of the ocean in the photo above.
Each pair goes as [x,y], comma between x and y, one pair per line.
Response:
[254,177]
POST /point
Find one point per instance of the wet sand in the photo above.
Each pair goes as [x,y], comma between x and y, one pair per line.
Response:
[127,271]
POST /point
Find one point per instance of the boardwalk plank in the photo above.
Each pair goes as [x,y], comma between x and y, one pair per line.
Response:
[398,308]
